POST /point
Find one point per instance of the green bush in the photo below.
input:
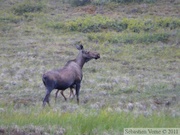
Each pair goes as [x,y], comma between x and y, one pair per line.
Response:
[168,22]
[88,24]
[79,2]
[100,23]
[28,7]
[134,25]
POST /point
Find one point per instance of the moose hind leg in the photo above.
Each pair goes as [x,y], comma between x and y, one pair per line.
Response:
[71,96]
[56,94]
[46,98]
[63,95]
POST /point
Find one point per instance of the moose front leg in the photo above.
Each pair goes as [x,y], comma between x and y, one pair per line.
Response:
[78,85]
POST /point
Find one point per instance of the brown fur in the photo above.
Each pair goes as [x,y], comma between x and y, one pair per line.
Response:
[69,76]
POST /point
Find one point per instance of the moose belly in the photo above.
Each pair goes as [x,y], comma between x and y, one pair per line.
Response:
[63,86]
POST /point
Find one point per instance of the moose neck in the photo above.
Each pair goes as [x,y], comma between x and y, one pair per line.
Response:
[80,60]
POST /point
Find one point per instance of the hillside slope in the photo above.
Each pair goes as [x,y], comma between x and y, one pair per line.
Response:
[136,82]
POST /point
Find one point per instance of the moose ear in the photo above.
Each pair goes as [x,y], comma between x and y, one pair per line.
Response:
[79,47]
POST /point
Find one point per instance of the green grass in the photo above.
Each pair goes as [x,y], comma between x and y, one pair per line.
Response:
[91,122]
[127,38]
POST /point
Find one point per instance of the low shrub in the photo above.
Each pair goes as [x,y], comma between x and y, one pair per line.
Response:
[28,7]
[88,24]
[100,23]
[168,22]
[79,2]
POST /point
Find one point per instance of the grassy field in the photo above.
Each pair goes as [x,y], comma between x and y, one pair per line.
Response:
[136,83]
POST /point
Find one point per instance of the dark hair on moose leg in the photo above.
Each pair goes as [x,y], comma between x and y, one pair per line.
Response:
[71,95]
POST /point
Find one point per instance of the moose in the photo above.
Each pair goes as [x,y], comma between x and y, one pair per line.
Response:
[70,76]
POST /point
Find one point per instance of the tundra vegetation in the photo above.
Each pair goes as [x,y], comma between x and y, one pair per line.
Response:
[136,83]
